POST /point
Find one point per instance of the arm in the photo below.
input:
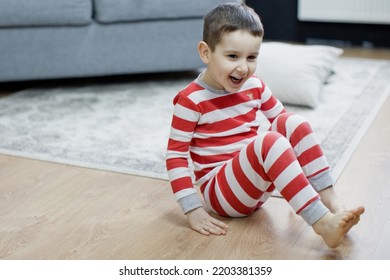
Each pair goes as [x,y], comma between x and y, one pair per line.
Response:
[184,121]
[270,105]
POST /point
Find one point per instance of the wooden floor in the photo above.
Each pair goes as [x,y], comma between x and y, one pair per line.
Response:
[53,211]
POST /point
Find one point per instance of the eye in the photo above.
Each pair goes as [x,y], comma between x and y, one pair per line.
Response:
[252,58]
[232,56]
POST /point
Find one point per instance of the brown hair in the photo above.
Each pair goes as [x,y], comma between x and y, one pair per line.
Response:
[230,17]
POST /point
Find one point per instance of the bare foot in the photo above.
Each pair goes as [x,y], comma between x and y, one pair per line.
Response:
[333,227]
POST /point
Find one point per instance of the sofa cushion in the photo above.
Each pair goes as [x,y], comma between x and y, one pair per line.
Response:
[296,73]
[108,11]
[44,12]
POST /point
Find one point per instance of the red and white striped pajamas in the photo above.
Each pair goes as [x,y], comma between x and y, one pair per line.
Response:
[236,167]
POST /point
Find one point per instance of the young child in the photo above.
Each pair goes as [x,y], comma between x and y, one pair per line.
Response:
[215,125]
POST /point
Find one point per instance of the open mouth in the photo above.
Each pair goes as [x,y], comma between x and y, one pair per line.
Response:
[235,80]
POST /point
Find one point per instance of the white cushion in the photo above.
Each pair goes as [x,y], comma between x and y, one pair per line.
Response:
[296,73]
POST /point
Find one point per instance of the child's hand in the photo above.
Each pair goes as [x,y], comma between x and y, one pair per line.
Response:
[202,222]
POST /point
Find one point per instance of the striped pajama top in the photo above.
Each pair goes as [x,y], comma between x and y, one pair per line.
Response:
[210,127]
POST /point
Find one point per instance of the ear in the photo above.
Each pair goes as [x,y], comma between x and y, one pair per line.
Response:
[204,51]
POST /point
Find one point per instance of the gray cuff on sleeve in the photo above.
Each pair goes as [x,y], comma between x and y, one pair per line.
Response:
[313,212]
[322,181]
[190,202]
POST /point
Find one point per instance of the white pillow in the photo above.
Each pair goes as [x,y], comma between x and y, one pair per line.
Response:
[296,73]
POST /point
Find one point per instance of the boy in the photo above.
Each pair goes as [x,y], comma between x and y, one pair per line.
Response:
[214,123]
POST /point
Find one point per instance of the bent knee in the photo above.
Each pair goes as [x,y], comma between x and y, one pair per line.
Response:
[287,123]
[290,118]
[269,139]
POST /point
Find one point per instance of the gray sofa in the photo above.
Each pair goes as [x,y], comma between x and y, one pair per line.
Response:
[47,39]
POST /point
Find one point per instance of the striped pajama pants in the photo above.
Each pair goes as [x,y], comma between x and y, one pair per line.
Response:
[288,157]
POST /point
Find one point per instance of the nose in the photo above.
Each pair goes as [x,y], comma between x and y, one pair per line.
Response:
[243,67]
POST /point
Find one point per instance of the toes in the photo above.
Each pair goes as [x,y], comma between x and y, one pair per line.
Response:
[361,210]
[348,216]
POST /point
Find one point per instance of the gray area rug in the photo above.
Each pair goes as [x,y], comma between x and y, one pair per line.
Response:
[123,127]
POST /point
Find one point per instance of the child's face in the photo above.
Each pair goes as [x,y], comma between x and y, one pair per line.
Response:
[233,61]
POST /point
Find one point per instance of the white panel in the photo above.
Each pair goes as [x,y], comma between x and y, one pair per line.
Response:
[348,11]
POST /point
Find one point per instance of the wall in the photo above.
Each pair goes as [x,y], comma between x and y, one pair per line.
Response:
[280,22]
